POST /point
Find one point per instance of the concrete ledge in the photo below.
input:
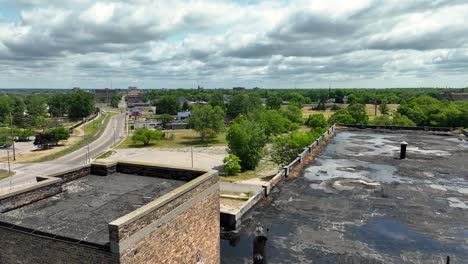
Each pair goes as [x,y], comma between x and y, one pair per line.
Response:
[231,219]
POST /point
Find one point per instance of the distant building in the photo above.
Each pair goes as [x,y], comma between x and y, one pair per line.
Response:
[105,95]
[134,97]
[238,88]
[147,123]
[183,115]
[76,89]
[454,96]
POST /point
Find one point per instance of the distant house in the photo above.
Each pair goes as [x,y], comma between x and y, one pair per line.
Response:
[183,115]
[197,103]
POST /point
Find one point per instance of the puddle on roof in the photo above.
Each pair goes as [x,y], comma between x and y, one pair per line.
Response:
[376,145]
[387,234]
[353,169]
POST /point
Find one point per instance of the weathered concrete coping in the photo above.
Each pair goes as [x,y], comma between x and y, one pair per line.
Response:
[44,181]
[70,170]
[163,200]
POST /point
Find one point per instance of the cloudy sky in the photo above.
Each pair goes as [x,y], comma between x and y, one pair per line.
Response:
[215,43]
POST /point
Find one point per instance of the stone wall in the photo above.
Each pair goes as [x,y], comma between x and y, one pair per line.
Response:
[180,227]
[21,247]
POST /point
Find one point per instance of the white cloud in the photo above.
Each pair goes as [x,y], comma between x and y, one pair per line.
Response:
[221,43]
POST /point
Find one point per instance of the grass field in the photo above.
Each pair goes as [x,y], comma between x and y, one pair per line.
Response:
[179,138]
[307,110]
[266,169]
[5,175]
[93,130]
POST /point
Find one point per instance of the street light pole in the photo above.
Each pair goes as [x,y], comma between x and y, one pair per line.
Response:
[12,138]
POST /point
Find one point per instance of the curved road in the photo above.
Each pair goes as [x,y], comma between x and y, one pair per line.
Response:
[26,173]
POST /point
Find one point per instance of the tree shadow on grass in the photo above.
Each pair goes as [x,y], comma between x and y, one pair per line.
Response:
[140,145]
[190,141]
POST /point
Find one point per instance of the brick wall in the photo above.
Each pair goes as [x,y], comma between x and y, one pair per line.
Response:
[181,174]
[192,237]
[23,248]
[73,174]
[181,230]
[26,196]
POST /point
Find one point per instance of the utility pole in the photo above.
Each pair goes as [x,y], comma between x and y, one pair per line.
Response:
[12,138]
[191,151]
[8,155]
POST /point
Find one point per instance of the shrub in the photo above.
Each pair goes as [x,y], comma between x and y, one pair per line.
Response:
[232,165]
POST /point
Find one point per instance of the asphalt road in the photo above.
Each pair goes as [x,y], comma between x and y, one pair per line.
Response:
[26,173]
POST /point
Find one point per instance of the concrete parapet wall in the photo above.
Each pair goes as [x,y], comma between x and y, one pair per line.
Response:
[231,219]
[419,128]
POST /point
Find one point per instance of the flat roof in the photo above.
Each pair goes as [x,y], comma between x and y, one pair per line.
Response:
[359,203]
[87,205]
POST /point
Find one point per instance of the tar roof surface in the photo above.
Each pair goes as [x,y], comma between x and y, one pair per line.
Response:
[88,204]
[418,212]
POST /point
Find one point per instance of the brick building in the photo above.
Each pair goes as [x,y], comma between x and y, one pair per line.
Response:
[105,95]
[135,97]
[113,213]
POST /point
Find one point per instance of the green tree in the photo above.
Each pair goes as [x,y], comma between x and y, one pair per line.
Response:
[80,104]
[165,119]
[41,122]
[352,99]
[36,106]
[208,121]
[274,122]
[395,119]
[241,103]
[58,134]
[383,107]
[273,102]
[23,134]
[232,165]
[5,136]
[342,116]
[317,121]
[286,148]
[18,109]
[145,136]
[217,100]
[57,104]
[293,113]
[359,113]
[115,101]
[5,108]
[246,140]
[167,105]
